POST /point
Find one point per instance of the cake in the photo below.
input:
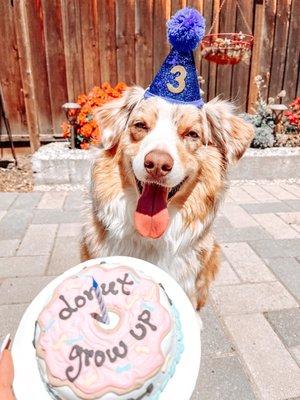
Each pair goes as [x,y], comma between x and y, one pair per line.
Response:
[130,358]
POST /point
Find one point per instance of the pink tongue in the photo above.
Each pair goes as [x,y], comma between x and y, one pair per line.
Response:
[151,217]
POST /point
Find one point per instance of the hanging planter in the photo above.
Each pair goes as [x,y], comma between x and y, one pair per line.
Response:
[227,48]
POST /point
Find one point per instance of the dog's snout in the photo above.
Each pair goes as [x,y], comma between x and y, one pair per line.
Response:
[158,163]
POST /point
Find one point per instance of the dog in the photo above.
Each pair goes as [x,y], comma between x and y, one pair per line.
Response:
[158,182]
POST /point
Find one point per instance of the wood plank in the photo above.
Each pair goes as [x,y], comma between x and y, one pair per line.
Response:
[256,55]
[206,65]
[177,5]
[35,29]
[213,67]
[90,43]
[224,72]
[73,48]
[267,44]
[280,45]
[198,5]
[28,83]
[241,71]
[161,48]
[125,37]
[55,56]
[107,41]
[144,44]
[293,54]
[10,74]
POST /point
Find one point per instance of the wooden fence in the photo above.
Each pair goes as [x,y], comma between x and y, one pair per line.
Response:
[53,50]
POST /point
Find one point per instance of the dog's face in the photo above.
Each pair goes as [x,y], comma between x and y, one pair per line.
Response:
[170,151]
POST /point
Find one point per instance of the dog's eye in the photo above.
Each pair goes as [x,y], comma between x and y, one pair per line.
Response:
[192,134]
[140,125]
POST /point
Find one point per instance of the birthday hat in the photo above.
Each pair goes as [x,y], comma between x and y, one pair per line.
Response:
[177,80]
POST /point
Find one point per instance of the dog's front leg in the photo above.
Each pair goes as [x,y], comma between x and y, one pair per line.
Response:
[210,262]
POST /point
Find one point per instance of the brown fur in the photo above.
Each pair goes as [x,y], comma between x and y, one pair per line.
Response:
[223,138]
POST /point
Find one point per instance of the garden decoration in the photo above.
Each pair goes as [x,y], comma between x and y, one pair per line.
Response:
[72,110]
[227,48]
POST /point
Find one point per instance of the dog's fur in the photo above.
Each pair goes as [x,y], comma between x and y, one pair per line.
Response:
[187,250]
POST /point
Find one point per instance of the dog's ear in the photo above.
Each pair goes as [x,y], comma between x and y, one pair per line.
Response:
[113,116]
[226,129]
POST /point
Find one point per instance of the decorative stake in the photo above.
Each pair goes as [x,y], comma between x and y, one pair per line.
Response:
[102,305]
[72,110]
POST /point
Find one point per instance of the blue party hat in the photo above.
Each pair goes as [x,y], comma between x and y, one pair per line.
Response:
[177,80]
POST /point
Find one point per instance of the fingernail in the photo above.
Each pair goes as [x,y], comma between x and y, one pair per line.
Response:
[4,344]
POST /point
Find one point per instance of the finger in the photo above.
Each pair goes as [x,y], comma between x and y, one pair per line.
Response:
[6,369]
[6,394]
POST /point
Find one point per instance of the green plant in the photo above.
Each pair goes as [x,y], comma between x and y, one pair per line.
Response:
[264,137]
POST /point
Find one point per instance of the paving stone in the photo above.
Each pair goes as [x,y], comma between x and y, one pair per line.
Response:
[214,341]
[69,230]
[22,290]
[294,204]
[8,247]
[2,213]
[276,248]
[296,353]
[274,371]
[240,195]
[10,317]
[286,323]
[226,275]
[6,199]
[55,216]
[14,224]
[291,218]
[226,233]
[245,262]
[27,201]
[223,379]
[38,240]
[252,297]
[275,226]
[294,189]
[237,216]
[264,208]
[52,200]
[65,255]
[279,192]
[23,266]
[288,271]
[74,200]
[259,194]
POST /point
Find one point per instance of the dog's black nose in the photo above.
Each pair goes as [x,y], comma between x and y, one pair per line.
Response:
[158,163]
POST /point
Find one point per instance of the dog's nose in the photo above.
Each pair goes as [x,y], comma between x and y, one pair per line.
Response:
[158,163]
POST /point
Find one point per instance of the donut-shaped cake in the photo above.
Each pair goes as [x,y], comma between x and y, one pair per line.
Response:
[131,358]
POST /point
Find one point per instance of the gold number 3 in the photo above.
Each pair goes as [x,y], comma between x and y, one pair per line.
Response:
[180,79]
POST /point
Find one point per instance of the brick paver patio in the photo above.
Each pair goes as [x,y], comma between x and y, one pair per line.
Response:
[251,335]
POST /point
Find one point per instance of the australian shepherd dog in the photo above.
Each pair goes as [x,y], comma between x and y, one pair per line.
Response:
[158,182]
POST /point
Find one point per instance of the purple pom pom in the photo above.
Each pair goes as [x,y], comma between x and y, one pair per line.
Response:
[186,29]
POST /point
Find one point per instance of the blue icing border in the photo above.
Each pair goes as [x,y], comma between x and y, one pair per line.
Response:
[180,347]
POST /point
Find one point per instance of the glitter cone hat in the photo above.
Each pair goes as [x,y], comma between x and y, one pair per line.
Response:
[177,80]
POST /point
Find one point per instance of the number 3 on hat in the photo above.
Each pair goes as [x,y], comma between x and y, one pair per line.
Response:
[179,78]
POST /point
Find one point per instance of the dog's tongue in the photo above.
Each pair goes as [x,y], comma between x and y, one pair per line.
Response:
[151,217]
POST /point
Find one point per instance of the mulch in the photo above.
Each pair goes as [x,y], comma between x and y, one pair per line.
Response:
[17,179]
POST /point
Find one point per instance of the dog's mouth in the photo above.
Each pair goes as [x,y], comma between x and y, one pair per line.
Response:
[171,191]
[152,216]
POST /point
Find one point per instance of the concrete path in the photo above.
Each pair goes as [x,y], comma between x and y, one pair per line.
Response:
[251,335]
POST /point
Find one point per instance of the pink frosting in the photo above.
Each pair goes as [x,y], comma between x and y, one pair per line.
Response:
[59,336]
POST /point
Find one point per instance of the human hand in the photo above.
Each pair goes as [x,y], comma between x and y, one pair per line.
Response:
[6,372]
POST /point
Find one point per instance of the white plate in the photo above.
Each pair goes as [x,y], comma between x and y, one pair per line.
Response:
[28,384]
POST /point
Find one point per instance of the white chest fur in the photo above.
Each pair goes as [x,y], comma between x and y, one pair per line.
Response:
[175,251]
